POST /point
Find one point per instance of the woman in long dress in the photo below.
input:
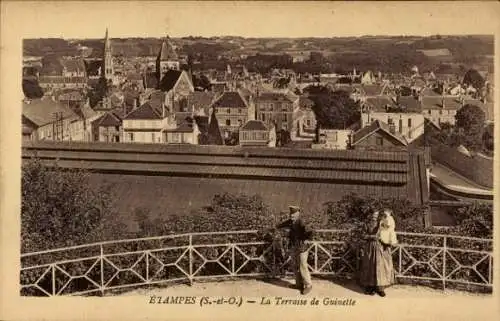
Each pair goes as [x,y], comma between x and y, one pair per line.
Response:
[376,270]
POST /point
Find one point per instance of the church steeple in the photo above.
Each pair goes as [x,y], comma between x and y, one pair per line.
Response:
[167,59]
[108,58]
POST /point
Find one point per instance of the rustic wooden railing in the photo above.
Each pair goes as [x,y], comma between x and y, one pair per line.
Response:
[101,267]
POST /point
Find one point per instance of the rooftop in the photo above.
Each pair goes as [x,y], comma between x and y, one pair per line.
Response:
[41,111]
[254,125]
[375,126]
[170,79]
[144,112]
[230,99]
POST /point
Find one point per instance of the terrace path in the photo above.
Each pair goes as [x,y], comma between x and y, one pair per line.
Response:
[417,299]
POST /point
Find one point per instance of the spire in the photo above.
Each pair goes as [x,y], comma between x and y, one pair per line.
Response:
[107,43]
[167,51]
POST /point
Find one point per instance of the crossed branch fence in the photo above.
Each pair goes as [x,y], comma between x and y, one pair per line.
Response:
[98,268]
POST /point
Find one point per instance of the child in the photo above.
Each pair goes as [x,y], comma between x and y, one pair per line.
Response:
[386,232]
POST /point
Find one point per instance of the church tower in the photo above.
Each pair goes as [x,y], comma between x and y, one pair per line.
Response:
[108,58]
[167,59]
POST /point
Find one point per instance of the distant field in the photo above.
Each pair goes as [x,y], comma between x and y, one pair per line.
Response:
[436,52]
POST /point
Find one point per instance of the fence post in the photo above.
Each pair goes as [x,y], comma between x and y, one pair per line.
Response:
[102,269]
[53,279]
[444,261]
[147,266]
[190,259]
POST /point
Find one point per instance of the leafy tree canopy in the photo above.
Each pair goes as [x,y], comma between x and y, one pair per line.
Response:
[60,208]
[473,77]
[333,109]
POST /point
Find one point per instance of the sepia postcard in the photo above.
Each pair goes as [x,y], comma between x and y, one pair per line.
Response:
[231,160]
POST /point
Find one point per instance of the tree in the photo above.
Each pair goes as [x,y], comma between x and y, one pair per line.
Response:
[333,109]
[214,134]
[98,92]
[60,208]
[470,120]
[32,89]
[473,77]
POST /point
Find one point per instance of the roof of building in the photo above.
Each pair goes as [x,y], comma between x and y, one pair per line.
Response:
[254,125]
[273,96]
[379,103]
[41,111]
[73,65]
[184,127]
[375,126]
[200,100]
[440,102]
[170,79]
[230,99]
[71,95]
[145,111]
[409,104]
[109,119]
[321,176]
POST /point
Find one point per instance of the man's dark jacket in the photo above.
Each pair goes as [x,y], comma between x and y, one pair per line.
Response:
[298,233]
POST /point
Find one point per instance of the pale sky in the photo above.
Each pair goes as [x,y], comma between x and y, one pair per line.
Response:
[249,19]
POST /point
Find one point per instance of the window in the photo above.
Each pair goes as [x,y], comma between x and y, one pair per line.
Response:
[440,112]
[285,117]
[240,122]
[229,110]
[409,122]
[379,141]
[389,120]
[400,126]
[183,106]
[429,111]
[239,111]
[152,137]
[335,136]
[228,122]
[96,137]
[131,137]
[284,126]
[117,128]
[263,116]
[308,122]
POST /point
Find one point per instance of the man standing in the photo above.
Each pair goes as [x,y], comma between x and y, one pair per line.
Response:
[298,234]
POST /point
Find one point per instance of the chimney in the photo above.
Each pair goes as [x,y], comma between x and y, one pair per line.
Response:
[443,103]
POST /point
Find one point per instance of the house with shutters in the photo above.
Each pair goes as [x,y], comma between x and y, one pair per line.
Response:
[232,112]
[144,124]
[278,108]
[441,109]
[403,115]
[256,133]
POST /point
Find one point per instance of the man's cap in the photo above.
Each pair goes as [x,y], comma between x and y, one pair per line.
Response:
[294,209]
